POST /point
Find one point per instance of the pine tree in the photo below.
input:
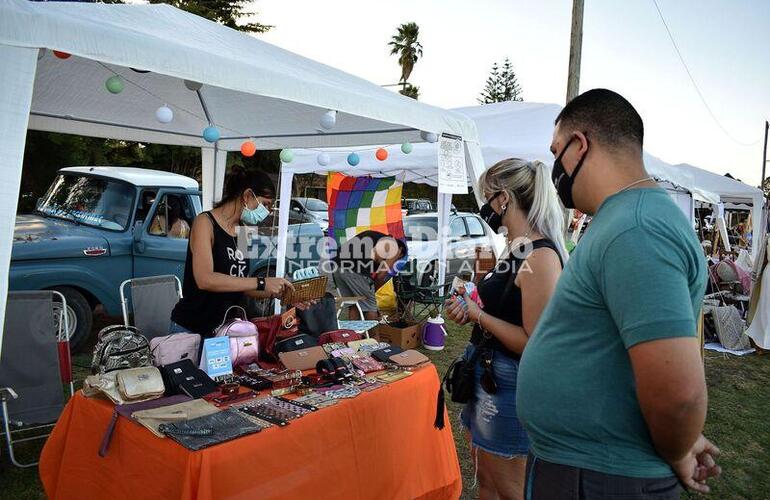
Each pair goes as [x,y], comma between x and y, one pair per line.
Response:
[502,85]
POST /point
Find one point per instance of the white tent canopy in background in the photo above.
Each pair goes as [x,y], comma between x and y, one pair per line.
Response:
[251,90]
[524,130]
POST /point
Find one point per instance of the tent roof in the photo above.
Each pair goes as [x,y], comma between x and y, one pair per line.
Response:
[523,130]
[251,88]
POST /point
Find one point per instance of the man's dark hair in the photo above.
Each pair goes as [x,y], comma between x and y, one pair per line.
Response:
[604,116]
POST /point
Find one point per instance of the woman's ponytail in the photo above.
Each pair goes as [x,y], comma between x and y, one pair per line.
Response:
[529,183]
[545,213]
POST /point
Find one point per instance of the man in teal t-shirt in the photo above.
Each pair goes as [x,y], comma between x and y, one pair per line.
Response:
[611,386]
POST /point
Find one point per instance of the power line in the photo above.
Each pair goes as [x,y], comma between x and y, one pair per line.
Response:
[695,85]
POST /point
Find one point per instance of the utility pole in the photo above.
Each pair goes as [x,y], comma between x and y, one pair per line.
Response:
[764,158]
[573,75]
[575,49]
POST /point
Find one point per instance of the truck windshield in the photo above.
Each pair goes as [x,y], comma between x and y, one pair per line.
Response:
[93,201]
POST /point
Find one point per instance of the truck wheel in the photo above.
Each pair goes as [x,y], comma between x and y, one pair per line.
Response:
[79,316]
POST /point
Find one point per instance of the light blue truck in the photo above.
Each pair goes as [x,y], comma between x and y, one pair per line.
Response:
[99,226]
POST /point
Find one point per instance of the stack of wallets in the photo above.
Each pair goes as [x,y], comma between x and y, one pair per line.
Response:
[318,400]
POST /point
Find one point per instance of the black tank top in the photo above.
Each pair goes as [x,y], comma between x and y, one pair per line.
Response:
[501,296]
[200,311]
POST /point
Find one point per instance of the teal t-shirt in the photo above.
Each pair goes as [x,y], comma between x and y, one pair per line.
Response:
[638,274]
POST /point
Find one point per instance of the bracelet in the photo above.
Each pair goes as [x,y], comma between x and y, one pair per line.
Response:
[478,320]
[260,284]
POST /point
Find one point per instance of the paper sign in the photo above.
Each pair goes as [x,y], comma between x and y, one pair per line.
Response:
[215,360]
[452,176]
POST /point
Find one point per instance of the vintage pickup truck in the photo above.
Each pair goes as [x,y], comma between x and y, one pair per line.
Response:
[99,226]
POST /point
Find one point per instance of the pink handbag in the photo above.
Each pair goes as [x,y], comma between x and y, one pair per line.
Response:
[244,338]
[175,347]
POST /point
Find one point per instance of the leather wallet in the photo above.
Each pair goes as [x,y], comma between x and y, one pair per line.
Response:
[384,355]
[409,359]
[183,377]
[356,344]
[304,359]
[301,341]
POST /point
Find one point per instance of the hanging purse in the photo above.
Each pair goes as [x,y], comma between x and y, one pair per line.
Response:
[244,338]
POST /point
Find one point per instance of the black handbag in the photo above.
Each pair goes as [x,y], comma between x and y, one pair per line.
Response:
[319,318]
[295,343]
[183,377]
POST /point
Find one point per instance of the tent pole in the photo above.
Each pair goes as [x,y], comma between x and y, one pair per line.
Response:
[284,206]
[17,80]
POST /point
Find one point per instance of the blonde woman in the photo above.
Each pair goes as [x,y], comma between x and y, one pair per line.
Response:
[521,203]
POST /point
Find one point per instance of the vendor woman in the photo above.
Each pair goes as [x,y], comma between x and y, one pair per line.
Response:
[216,272]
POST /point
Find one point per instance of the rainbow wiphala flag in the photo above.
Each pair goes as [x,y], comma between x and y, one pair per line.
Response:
[358,204]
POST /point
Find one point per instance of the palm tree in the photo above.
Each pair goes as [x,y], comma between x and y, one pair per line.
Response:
[409,50]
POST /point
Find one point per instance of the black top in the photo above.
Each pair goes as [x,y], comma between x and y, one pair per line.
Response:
[501,296]
[200,311]
[356,253]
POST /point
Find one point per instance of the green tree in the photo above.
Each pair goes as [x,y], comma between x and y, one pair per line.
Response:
[226,12]
[406,46]
[502,85]
[410,90]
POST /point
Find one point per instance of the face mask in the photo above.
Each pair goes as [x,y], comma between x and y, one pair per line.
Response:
[489,215]
[564,182]
[253,216]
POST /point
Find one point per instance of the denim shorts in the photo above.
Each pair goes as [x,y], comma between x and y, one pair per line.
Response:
[176,328]
[491,418]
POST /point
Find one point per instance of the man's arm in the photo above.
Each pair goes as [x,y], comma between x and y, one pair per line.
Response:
[671,388]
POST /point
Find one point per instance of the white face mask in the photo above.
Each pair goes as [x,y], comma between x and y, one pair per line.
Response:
[253,216]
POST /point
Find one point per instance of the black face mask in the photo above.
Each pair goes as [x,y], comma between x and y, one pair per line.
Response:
[564,182]
[489,215]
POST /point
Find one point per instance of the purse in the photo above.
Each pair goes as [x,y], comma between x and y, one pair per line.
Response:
[303,359]
[383,355]
[410,359]
[319,318]
[301,341]
[140,384]
[127,411]
[244,338]
[356,345]
[175,347]
[343,336]
[367,364]
[183,377]
[274,328]
[119,347]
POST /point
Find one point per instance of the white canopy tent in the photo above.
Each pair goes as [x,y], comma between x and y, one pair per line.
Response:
[250,90]
[524,130]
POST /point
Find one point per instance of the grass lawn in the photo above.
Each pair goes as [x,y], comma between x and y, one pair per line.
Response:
[739,405]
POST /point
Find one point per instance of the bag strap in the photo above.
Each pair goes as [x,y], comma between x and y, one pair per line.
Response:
[243,311]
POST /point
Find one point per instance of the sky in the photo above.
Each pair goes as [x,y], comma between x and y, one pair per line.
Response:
[726,45]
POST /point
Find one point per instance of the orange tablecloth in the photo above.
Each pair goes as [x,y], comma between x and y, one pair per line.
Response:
[380,445]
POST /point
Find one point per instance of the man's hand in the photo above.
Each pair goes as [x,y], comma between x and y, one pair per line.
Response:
[698,465]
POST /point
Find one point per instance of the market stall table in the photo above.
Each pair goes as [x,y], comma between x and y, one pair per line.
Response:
[381,444]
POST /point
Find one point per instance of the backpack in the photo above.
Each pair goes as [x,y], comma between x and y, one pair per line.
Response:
[119,347]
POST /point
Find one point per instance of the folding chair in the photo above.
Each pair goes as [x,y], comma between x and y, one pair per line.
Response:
[419,302]
[35,362]
[152,300]
[361,326]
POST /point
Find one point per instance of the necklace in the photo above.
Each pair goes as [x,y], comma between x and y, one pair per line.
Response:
[637,182]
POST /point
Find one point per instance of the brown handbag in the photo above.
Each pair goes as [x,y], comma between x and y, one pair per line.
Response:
[303,359]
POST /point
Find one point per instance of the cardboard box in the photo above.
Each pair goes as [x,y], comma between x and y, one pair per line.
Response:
[409,337]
